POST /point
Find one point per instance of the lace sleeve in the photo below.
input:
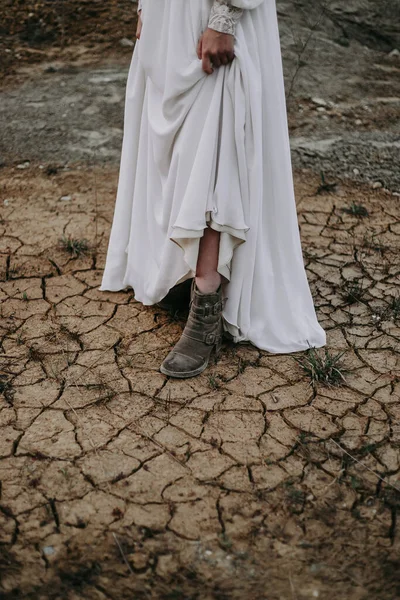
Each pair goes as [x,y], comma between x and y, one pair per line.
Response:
[224,16]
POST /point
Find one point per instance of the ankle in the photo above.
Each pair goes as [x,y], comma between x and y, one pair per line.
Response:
[209,284]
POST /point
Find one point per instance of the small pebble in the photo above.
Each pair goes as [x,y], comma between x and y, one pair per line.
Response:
[126,43]
[24,165]
[66,198]
[319,101]
[356,171]
[376,185]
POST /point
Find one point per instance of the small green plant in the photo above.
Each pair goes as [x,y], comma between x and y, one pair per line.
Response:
[325,186]
[25,297]
[51,170]
[395,307]
[295,496]
[73,246]
[243,364]
[73,335]
[34,354]
[355,482]
[128,361]
[65,473]
[367,449]
[6,388]
[4,385]
[382,314]
[303,437]
[353,291]
[224,541]
[357,210]
[323,368]
[213,383]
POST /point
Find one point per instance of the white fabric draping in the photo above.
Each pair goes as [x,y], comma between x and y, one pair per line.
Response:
[213,150]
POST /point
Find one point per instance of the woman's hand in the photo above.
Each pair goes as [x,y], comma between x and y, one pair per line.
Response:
[215,49]
[139,26]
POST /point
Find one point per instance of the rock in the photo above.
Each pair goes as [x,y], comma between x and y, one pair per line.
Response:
[66,198]
[376,185]
[319,101]
[24,165]
[394,53]
[356,171]
[126,43]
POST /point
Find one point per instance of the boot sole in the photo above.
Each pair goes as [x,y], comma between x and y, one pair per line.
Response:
[186,375]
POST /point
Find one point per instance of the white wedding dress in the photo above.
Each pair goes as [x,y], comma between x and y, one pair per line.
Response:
[212,149]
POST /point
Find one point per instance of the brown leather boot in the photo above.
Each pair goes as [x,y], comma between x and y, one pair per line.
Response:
[202,334]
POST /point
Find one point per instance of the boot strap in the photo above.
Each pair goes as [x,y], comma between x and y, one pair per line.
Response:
[208,310]
[207,338]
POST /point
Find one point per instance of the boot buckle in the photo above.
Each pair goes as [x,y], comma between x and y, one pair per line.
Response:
[210,339]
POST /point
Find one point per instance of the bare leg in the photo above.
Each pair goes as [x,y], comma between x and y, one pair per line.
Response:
[208,279]
[204,327]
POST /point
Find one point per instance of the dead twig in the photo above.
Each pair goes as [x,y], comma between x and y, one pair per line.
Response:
[366,467]
[123,554]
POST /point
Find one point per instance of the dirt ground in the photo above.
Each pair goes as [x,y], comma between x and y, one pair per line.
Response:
[250,481]
[245,482]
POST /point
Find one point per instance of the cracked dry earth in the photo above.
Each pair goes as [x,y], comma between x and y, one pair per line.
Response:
[246,482]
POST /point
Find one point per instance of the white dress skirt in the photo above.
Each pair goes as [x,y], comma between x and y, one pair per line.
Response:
[212,150]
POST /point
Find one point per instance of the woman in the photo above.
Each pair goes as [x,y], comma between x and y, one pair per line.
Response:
[206,187]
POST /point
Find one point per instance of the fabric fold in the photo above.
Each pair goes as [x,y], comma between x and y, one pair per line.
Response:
[212,150]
